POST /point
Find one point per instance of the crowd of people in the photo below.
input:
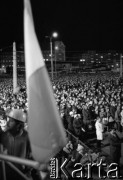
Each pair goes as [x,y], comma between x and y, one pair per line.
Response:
[86,102]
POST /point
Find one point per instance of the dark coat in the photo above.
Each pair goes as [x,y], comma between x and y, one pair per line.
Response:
[115,148]
[18,146]
[85,116]
[112,111]
[70,123]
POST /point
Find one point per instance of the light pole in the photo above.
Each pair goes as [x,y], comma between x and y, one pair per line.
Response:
[56,49]
[51,53]
[121,66]
[14,68]
[54,35]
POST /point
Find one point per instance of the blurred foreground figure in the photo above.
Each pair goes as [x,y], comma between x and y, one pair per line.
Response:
[15,140]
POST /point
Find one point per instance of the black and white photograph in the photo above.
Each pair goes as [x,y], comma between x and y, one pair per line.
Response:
[61,89]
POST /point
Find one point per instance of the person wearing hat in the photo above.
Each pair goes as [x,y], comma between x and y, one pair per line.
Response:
[15,140]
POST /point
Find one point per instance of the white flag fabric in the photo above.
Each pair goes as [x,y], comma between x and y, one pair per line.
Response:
[46,131]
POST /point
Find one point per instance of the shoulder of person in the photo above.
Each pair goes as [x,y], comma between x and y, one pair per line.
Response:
[119,134]
[25,133]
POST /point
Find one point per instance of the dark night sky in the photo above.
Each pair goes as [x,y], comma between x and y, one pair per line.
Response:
[81,24]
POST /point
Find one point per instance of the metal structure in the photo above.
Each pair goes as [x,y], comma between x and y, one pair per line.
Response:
[30,163]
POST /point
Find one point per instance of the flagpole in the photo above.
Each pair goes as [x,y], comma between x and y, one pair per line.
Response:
[14,68]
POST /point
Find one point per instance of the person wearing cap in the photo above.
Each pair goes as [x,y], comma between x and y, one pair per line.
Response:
[15,140]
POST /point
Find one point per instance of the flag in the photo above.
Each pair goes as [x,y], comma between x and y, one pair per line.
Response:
[46,132]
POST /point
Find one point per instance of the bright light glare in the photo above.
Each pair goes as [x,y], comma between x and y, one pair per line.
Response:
[55,34]
[56,47]
[82,60]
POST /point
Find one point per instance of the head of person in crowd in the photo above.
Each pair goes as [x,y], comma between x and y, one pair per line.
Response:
[98,119]
[85,106]
[107,109]
[102,109]
[71,113]
[77,116]
[113,103]
[16,121]
[68,148]
[80,149]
